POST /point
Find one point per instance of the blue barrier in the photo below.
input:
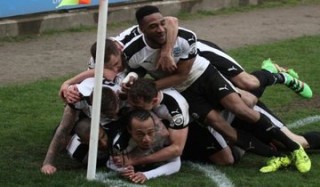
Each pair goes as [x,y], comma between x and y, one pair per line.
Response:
[11,8]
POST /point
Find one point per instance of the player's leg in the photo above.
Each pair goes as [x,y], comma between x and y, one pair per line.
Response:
[307,140]
[229,67]
[300,158]
[232,102]
[245,81]
[288,77]
[209,145]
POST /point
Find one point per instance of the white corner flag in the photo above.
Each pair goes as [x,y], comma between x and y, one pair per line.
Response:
[96,106]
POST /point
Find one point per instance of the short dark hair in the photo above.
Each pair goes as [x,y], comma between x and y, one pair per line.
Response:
[145,11]
[109,102]
[142,88]
[110,49]
[139,114]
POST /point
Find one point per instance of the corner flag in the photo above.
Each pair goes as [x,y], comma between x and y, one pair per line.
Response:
[73,2]
[98,74]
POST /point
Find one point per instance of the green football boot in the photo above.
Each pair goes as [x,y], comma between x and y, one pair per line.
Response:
[275,163]
[275,68]
[301,160]
[297,86]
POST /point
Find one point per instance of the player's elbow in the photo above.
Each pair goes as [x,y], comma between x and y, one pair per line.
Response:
[176,151]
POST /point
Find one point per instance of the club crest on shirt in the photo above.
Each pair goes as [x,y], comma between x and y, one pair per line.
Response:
[178,120]
[193,49]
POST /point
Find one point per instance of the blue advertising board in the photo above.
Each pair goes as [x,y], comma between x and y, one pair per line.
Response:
[11,8]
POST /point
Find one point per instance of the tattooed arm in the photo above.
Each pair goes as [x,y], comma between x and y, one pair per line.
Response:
[59,140]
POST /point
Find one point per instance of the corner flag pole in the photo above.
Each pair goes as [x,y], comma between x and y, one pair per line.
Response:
[96,106]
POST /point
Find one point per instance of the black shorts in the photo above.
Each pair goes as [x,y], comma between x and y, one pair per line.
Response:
[207,91]
[202,142]
[218,58]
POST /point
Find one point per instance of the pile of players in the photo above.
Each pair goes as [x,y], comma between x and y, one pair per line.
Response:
[169,96]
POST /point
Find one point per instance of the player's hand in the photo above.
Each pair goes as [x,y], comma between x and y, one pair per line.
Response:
[63,90]
[48,169]
[138,178]
[166,63]
[72,94]
[125,87]
[128,82]
[121,160]
[127,172]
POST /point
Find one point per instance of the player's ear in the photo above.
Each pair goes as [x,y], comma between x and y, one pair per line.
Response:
[155,100]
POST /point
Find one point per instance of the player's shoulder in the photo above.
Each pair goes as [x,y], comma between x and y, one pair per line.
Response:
[173,94]
[127,35]
[135,45]
[187,34]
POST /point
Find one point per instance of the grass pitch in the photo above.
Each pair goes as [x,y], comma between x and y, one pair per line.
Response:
[30,112]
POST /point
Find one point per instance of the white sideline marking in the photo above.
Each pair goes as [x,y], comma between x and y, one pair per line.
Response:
[210,171]
[105,177]
[214,174]
[304,122]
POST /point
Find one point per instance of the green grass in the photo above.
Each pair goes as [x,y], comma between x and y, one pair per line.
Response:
[30,112]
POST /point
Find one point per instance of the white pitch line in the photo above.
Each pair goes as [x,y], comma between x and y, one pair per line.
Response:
[105,177]
[214,174]
[304,122]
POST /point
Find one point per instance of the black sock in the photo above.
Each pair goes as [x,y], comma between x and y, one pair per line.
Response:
[279,78]
[250,143]
[313,139]
[265,79]
[275,133]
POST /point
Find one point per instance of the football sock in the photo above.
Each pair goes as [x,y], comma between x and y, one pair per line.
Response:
[250,143]
[279,78]
[275,132]
[313,138]
[266,79]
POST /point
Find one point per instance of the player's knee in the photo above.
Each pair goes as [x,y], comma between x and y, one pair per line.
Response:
[223,157]
[249,99]
[226,160]
[246,81]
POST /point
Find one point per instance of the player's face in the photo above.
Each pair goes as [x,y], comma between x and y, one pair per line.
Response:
[154,29]
[115,64]
[142,132]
